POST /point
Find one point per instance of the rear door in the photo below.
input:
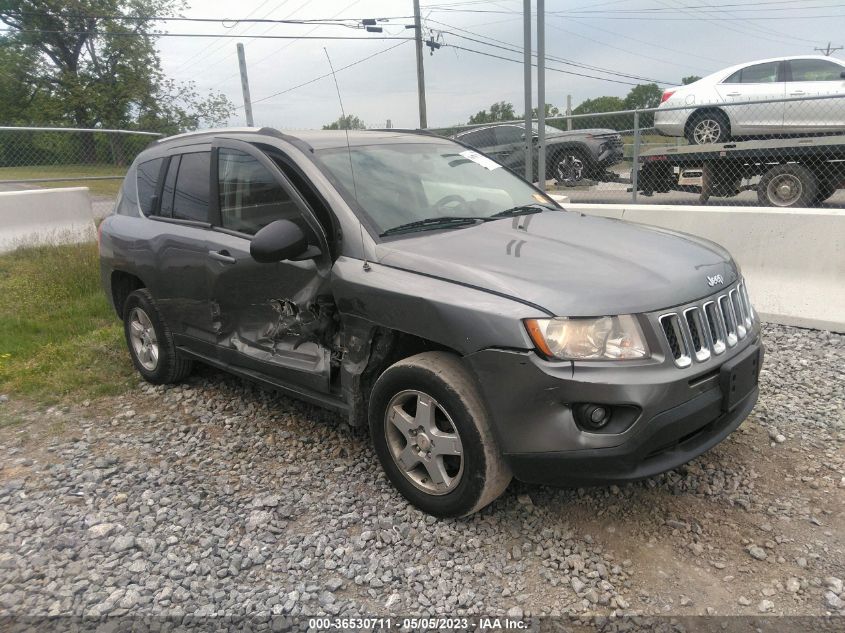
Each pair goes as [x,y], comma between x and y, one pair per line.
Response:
[810,78]
[275,318]
[180,246]
[757,82]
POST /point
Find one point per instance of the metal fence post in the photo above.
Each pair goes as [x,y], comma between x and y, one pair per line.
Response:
[635,159]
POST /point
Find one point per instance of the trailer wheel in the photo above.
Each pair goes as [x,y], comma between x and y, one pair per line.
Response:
[788,186]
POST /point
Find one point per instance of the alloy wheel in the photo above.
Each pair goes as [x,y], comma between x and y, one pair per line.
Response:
[424,442]
[707,131]
[143,337]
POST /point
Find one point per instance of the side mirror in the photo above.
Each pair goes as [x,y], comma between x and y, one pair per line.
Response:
[842,74]
[278,241]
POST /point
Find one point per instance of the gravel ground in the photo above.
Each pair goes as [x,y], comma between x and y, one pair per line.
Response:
[218,498]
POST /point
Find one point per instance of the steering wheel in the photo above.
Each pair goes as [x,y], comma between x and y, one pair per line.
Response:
[454,199]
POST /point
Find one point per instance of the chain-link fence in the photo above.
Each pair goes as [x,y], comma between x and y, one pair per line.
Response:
[36,157]
[777,152]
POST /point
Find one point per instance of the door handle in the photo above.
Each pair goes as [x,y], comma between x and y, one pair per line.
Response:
[734,94]
[222,256]
[797,93]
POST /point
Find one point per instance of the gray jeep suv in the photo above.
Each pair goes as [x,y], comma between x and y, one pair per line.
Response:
[410,283]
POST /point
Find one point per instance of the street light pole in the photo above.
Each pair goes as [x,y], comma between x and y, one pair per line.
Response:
[245,86]
[541,93]
[529,133]
[420,69]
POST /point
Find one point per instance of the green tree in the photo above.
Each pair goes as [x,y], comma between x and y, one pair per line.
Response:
[96,65]
[599,104]
[550,111]
[643,96]
[499,111]
[690,80]
[349,122]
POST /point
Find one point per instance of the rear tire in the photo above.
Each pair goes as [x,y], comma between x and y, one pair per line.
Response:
[788,186]
[432,435]
[708,127]
[150,341]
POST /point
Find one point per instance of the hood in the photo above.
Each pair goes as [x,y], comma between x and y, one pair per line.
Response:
[569,264]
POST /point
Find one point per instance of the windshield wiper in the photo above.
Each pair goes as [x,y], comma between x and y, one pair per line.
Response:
[433,223]
[523,209]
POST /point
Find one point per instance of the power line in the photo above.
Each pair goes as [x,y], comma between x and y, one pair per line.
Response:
[211,35]
[557,70]
[512,48]
[311,81]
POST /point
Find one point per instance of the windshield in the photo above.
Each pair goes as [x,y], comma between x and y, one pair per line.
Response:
[549,129]
[396,184]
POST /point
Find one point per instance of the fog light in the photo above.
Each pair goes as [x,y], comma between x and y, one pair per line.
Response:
[592,416]
[598,416]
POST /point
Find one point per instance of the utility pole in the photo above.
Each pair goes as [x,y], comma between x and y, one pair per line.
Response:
[541,94]
[569,111]
[420,70]
[245,86]
[827,51]
[529,133]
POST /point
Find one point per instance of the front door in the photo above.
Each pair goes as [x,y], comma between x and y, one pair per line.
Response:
[273,318]
[813,78]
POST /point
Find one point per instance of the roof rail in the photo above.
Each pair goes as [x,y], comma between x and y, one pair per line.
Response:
[221,130]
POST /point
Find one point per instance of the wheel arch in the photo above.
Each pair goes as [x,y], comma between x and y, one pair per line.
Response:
[698,112]
[123,284]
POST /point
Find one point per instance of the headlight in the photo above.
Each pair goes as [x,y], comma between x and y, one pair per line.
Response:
[603,338]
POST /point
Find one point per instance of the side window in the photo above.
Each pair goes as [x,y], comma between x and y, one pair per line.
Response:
[508,134]
[760,73]
[478,138]
[815,70]
[734,79]
[169,188]
[250,197]
[148,174]
[190,198]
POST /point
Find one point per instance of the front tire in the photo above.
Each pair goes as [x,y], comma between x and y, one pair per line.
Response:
[150,341]
[708,127]
[432,435]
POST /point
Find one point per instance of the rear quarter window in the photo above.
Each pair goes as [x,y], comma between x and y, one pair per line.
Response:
[148,177]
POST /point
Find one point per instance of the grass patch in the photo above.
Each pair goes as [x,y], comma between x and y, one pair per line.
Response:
[70,172]
[59,338]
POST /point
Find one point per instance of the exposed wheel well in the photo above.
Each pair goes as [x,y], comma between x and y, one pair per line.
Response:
[387,347]
[695,116]
[122,285]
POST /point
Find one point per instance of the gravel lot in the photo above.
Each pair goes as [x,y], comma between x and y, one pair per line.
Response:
[219,498]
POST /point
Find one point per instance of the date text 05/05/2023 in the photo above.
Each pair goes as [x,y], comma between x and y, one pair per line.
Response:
[389,623]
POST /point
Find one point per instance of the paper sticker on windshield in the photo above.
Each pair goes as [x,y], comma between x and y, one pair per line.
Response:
[481,160]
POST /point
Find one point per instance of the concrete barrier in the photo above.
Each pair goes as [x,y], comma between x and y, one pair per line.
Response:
[45,216]
[793,259]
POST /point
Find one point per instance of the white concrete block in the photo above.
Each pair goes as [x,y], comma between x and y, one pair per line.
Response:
[45,216]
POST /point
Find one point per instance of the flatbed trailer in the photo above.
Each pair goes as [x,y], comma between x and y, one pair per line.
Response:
[785,172]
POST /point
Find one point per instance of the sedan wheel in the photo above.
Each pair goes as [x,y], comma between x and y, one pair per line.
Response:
[707,131]
[424,442]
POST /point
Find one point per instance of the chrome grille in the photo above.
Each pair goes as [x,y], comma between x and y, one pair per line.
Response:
[701,331]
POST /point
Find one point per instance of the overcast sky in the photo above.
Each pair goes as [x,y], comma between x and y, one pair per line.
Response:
[655,39]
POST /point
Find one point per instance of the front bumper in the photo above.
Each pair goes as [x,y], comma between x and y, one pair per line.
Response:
[681,415]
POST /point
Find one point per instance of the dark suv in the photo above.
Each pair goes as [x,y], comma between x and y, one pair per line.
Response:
[572,156]
[410,283]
